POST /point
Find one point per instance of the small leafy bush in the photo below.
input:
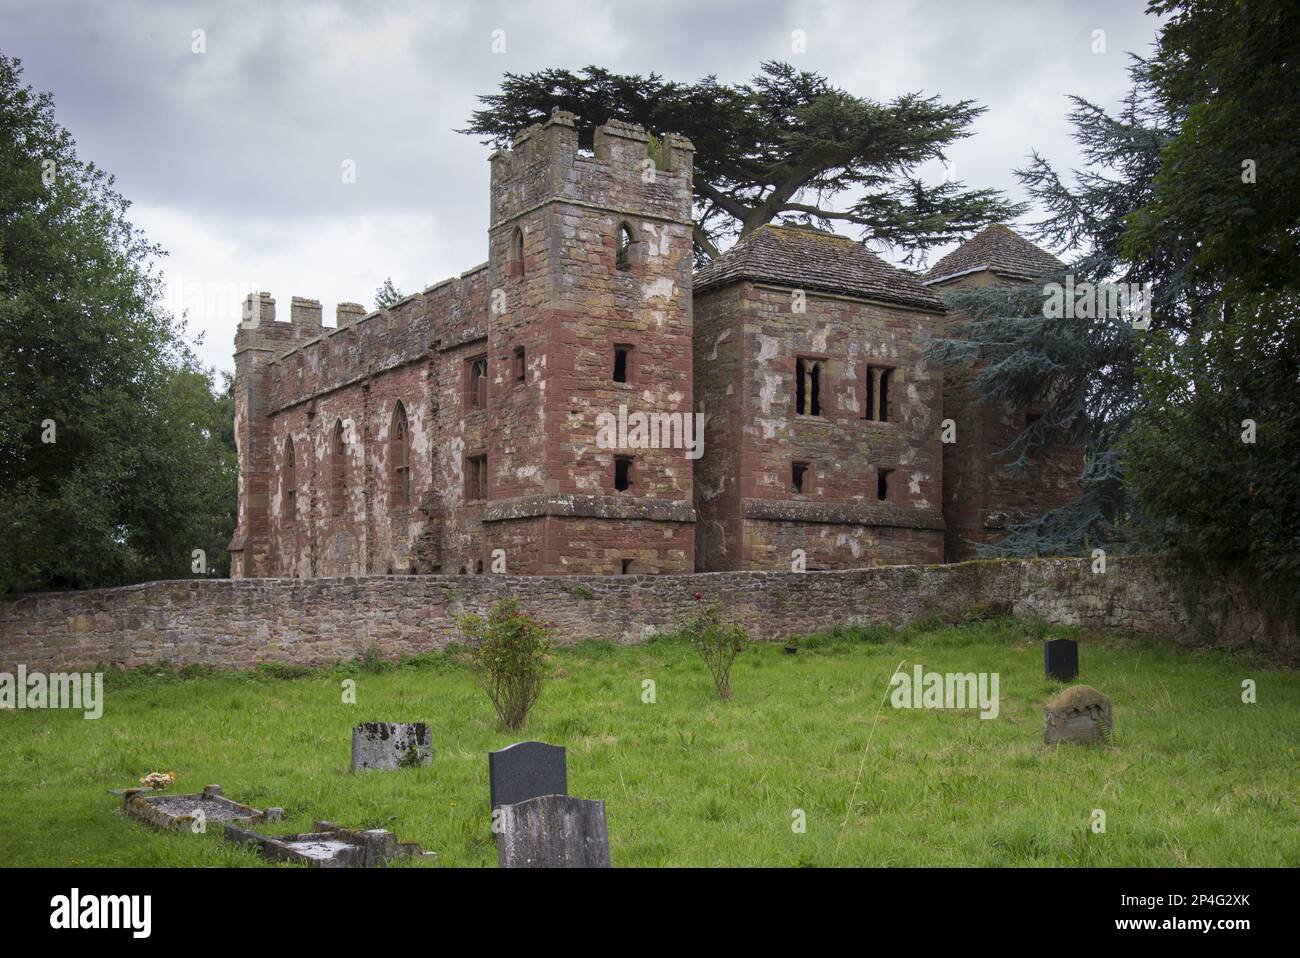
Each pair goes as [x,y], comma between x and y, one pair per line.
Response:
[373,661]
[719,642]
[507,653]
[281,671]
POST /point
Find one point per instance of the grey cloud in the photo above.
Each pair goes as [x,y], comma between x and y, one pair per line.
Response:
[237,152]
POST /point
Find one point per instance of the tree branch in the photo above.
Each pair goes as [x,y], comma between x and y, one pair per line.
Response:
[703,242]
[722,200]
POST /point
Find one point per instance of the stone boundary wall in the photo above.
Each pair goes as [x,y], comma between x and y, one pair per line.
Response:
[237,623]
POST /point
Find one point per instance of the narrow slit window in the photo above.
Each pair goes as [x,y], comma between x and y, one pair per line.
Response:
[807,386]
[290,481]
[399,457]
[622,364]
[517,253]
[879,379]
[476,478]
[476,386]
[520,367]
[799,477]
[882,484]
[622,474]
[626,567]
[624,258]
[338,468]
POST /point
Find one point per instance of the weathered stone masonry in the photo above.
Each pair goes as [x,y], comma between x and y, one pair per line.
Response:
[238,623]
[462,423]
[459,430]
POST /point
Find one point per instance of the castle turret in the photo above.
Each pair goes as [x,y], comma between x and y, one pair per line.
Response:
[589,340]
[258,340]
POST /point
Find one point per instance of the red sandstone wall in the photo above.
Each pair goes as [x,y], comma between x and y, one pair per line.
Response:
[842,448]
[355,374]
[718,348]
[568,304]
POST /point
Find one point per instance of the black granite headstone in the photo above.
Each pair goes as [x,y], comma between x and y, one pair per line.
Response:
[1061,659]
[527,770]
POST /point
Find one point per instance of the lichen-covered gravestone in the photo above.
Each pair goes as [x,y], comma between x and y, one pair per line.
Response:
[330,846]
[552,831]
[390,745]
[191,812]
[1078,714]
[527,770]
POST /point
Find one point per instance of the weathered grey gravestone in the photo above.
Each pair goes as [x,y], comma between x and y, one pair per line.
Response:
[1061,659]
[390,745]
[526,770]
[1078,714]
[330,846]
[181,812]
[552,831]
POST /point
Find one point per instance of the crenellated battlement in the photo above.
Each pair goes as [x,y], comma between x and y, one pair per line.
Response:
[304,313]
[309,359]
[545,164]
[378,443]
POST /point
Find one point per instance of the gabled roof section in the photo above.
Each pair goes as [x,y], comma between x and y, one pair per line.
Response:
[998,249]
[805,258]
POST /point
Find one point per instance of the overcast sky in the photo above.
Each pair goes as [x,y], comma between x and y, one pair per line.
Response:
[233,157]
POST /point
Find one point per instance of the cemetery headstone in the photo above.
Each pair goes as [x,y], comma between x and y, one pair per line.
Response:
[527,770]
[390,745]
[1061,659]
[553,831]
[1078,714]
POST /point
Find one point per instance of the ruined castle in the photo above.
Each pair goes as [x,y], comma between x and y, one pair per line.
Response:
[542,412]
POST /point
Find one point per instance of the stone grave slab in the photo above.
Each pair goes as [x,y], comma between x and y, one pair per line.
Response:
[174,812]
[527,770]
[390,745]
[330,846]
[552,831]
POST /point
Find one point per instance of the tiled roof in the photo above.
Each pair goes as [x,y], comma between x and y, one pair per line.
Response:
[998,249]
[805,258]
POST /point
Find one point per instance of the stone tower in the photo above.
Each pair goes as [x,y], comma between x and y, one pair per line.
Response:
[589,286]
[259,339]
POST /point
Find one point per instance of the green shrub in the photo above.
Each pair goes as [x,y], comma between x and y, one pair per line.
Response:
[507,653]
[373,661]
[718,642]
[281,671]
[196,670]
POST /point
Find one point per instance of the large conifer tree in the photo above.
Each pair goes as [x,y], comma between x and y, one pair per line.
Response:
[787,146]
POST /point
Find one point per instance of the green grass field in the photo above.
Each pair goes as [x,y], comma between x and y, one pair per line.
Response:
[1192,777]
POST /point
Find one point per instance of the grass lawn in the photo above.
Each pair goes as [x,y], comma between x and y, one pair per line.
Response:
[1193,776]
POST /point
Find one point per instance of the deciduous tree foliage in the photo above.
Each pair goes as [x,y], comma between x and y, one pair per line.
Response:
[1213,455]
[787,145]
[1229,73]
[141,469]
